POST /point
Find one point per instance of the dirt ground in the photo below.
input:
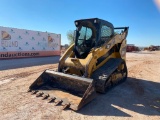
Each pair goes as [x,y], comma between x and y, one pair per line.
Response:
[138,98]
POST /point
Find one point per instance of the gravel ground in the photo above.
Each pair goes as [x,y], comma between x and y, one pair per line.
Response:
[138,98]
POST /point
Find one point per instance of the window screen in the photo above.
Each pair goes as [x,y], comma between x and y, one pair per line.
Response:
[106,31]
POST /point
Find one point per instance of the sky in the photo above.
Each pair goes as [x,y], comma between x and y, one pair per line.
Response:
[58,16]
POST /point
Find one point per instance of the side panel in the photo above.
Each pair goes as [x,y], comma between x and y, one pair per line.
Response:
[104,50]
[123,49]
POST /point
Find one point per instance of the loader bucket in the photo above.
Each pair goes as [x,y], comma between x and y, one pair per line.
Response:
[68,90]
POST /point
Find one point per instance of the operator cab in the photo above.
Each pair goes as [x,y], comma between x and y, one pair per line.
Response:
[90,33]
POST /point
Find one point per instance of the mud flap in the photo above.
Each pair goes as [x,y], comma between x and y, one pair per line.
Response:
[68,90]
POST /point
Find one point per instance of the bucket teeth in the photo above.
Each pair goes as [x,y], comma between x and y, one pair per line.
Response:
[52,99]
[58,101]
[39,94]
[66,106]
[34,92]
[45,97]
[29,90]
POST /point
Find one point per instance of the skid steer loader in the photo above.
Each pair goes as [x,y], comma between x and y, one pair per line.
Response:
[94,63]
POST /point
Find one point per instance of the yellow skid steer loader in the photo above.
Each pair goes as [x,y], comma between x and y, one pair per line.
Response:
[94,63]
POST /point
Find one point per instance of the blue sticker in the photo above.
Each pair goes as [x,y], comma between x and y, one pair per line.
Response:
[33,48]
[26,43]
[27,33]
[32,38]
[19,37]
[44,39]
[20,48]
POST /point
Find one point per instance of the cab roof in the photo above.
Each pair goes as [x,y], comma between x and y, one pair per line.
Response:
[99,21]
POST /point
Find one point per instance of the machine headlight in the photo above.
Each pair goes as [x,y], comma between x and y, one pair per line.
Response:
[76,23]
[95,21]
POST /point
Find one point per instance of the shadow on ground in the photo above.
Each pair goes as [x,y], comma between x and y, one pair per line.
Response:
[134,95]
[27,62]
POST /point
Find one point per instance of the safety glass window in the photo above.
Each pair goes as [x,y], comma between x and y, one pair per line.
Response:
[106,31]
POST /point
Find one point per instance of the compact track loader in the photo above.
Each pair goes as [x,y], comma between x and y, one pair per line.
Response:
[94,63]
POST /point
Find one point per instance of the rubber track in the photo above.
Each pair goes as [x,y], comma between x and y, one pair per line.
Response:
[106,70]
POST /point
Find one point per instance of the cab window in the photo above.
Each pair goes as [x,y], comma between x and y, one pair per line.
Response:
[106,31]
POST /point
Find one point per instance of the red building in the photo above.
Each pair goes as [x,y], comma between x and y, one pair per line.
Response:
[132,47]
